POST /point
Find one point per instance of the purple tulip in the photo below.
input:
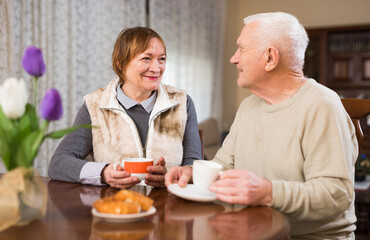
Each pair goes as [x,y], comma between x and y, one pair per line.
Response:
[33,62]
[51,107]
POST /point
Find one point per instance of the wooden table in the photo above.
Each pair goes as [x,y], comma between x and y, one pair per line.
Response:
[69,217]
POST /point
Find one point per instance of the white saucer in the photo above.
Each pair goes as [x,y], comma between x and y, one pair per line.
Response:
[191,192]
[123,218]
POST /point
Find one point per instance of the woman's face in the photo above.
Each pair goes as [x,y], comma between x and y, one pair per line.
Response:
[144,72]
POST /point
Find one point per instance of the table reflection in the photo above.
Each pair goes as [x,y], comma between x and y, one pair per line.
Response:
[69,217]
[195,214]
[251,223]
[166,229]
[133,231]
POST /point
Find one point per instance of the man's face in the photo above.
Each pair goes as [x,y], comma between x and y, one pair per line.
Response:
[247,57]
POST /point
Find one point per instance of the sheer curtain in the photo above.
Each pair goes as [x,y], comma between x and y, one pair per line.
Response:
[76,38]
[193,31]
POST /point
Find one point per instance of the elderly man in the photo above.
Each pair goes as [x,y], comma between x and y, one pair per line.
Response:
[292,145]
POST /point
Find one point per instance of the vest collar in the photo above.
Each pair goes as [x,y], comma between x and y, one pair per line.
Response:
[109,99]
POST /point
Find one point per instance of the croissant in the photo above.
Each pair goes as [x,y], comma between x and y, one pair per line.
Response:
[131,196]
[123,202]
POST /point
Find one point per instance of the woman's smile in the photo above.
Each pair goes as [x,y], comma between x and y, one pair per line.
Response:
[153,78]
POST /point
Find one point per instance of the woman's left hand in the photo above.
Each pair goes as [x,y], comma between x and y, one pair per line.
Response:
[155,176]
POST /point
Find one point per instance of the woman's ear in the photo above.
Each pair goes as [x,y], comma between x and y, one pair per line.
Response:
[117,64]
[271,58]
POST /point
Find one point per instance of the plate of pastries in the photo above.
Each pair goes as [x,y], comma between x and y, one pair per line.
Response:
[124,206]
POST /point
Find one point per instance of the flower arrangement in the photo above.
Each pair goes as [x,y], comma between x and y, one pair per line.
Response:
[23,197]
[21,131]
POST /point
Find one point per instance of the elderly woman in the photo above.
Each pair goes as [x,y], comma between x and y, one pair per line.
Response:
[135,115]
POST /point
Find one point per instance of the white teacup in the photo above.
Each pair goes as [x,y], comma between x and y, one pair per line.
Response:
[205,173]
[136,166]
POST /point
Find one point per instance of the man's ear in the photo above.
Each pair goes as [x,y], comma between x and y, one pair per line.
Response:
[271,58]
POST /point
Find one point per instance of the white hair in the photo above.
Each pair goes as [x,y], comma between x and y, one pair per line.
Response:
[283,29]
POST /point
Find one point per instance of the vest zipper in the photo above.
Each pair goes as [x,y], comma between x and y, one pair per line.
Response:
[142,147]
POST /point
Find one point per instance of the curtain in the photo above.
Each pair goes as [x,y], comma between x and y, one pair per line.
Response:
[193,31]
[77,39]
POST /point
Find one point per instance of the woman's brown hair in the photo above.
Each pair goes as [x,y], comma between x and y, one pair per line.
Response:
[131,42]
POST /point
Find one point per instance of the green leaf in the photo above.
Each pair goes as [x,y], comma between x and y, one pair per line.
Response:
[6,128]
[4,149]
[5,123]
[24,126]
[28,148]
[31,113]
[61,133]
[36,145]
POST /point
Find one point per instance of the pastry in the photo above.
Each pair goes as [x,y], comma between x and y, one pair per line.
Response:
[124,202]
[131,196]
[116,207]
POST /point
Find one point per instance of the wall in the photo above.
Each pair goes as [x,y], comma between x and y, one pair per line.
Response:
[312,14]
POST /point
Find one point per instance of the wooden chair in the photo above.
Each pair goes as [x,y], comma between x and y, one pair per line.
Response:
[357,109]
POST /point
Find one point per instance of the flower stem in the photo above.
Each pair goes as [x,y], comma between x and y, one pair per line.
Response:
[44,126]
[35,91]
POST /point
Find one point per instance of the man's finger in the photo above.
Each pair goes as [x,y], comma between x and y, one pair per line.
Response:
[183,181]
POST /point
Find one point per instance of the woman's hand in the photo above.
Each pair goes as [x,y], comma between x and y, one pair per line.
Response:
[118,178]
[155,176]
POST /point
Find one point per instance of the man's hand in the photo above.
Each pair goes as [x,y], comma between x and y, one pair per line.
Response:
[243,187]
[180,175]
[118,178]
[155,176]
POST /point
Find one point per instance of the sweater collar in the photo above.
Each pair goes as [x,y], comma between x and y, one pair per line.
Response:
[127,102]
[284,104]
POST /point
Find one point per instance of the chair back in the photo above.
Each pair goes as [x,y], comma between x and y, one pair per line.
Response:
[357,109]
[211,137]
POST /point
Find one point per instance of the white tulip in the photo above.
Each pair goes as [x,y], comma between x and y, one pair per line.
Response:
[13,97]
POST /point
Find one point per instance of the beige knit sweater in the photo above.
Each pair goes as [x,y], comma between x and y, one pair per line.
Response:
[307,147]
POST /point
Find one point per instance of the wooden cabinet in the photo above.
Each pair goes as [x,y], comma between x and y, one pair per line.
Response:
[340,59]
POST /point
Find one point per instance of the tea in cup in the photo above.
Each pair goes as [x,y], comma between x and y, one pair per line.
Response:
[205,173]
[136,166]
